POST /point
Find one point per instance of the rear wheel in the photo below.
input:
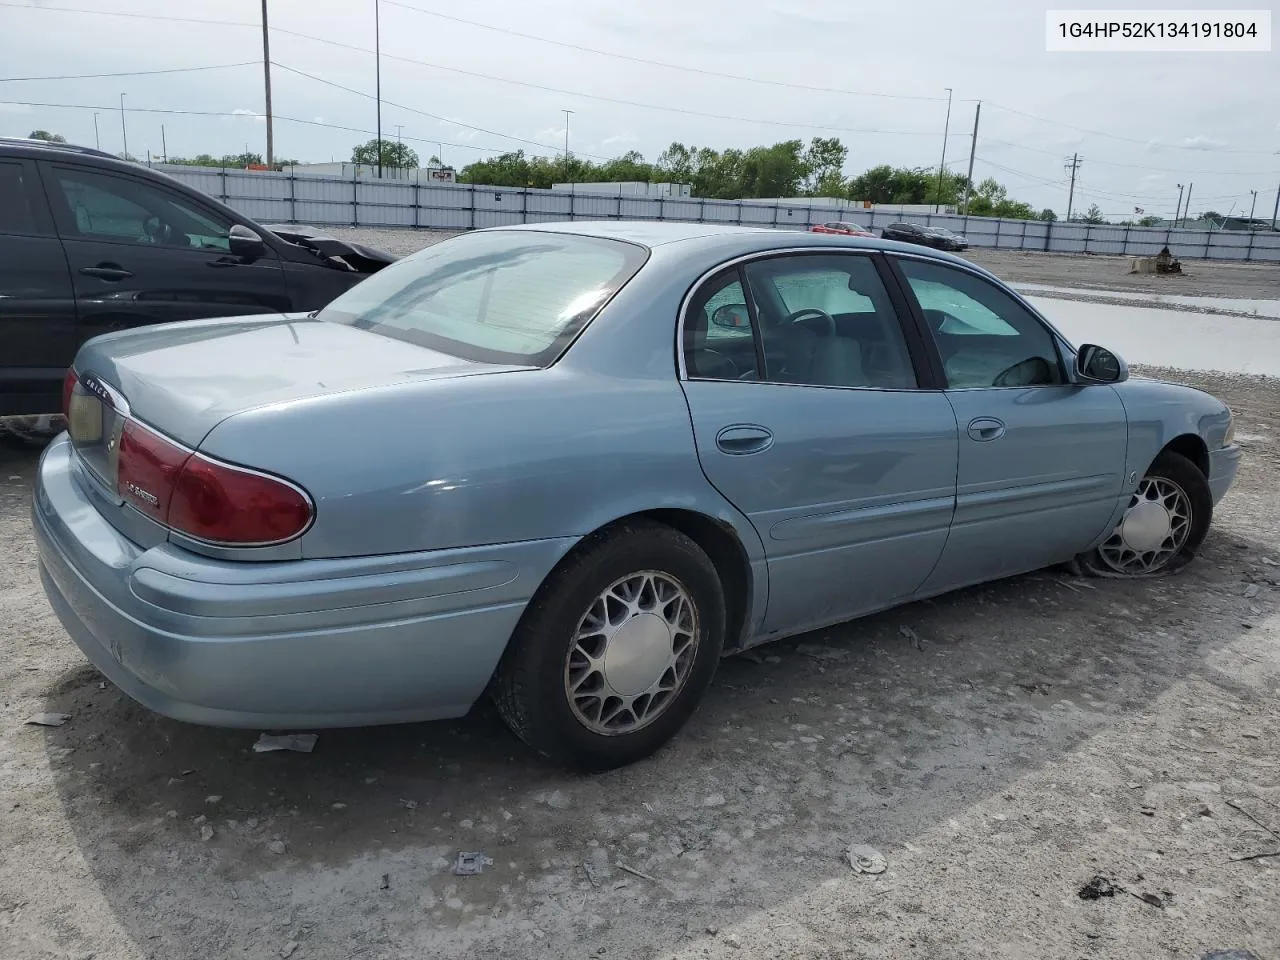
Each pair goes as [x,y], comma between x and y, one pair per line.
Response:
[616,650]
[1162,527]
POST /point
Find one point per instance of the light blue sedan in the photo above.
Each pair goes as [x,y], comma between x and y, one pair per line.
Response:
[572,465]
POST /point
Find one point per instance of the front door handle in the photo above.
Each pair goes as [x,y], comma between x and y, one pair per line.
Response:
[984,429]
[224,262]
[743,438]
[107,271]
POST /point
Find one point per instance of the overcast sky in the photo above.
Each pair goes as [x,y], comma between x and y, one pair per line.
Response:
[1154,120]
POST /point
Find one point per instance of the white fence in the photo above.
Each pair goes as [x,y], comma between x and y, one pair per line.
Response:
[361,202]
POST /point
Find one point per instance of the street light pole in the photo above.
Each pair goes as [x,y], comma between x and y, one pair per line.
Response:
[1178,209]
[377,67]
[266,75]
[124,132]
[942,164]
[97,141]
[1251,206]
[567,171]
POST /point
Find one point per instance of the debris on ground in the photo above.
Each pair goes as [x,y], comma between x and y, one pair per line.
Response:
[1203,810]
[288,949]
[471,864]
[635,873]
[1097,888]
[816,652]
[48,719]
[1235,806]
[912,636]
[732,940]
[409,804]
[276,846]
[297,742]
[1149,898]
[1251,591]
[213,798]
[864,859]
[206,832]
[385,882]
[590,873]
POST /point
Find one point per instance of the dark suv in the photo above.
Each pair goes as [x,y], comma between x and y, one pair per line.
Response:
[91,244]
[938,237]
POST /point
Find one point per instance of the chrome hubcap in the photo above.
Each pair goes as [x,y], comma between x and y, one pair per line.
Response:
[631,653]
[1154,528]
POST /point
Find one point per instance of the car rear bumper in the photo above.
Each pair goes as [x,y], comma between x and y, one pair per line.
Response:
[1223,466]
[303,643]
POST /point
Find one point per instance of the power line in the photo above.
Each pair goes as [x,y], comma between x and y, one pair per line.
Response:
[224,113]
[484,76]
[658,63]
[424,113]
[1116,136]
[1134,166]
[130,73]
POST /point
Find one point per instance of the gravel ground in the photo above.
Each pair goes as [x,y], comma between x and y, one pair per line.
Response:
[1037,733]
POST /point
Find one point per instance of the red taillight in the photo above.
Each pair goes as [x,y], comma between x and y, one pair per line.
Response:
[225,504]
[202,498]
[68,386]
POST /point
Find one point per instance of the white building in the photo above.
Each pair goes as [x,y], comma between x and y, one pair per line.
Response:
[628,188]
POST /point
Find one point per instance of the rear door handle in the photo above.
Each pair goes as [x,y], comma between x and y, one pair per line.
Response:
[743,438]
[984,429]
[107,271]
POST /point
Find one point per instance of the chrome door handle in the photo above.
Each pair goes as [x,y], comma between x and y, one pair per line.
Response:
[743,438]
[984,429]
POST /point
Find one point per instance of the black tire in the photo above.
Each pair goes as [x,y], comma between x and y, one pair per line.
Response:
[1181,471]
[529,686]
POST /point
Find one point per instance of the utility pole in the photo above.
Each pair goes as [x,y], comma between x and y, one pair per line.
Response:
[164,147]
[1177,209]
[97,141]
[1276,209]
[973,148]
[942,164]
[266,76]
[124,132]
[377,67]
[1187,208]
[399,147]
[568,172]
[1073,165]
[1251,206]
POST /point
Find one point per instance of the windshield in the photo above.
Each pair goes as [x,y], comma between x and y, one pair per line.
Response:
[503,296]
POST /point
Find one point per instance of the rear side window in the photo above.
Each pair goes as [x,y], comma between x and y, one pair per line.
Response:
[515,296]
[16,214]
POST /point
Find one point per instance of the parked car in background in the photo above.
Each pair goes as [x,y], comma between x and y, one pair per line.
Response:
[842,228]
[927,236]
[90,244]
[571,465]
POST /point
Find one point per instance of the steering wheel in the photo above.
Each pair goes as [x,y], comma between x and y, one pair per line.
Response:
[812,312]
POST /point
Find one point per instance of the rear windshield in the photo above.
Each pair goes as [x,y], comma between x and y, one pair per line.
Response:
[505,296]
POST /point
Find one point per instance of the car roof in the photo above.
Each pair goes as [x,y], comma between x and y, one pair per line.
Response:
[718,242]
[26,146]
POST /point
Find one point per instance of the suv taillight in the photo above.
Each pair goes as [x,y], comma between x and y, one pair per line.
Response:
[68,386]
[204,498]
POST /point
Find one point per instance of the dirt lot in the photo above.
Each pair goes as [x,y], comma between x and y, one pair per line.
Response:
[1044,730]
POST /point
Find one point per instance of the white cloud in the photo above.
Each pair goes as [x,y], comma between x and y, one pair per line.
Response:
[14,108]
[242,112]
[550,134]
[620,138]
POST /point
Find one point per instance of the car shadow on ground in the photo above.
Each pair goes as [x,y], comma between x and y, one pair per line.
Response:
[870,732]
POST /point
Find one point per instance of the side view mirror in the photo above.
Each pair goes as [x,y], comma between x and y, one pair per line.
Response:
[245,243]
[1095,364]
[731,315]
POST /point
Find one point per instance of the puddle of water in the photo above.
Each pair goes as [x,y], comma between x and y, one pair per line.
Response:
[1170,338]
[1263,308]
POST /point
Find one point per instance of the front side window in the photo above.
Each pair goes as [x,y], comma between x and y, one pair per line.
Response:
[985,337]
[126,210]
[503,296]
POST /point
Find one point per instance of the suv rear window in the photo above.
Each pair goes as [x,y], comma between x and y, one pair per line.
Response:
[503,296]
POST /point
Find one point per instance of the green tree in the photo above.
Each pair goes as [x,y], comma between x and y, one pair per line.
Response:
[395,155]
[1093,215]
[1149,222]
[825,158]
[1047,214]
[46,136]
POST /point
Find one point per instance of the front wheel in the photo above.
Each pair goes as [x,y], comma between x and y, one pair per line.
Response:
[616,650]
[1162,527]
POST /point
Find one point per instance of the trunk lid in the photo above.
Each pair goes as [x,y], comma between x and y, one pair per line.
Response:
[184,379]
